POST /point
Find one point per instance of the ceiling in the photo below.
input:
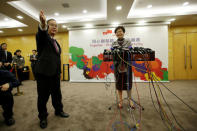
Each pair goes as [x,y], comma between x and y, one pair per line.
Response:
[74,14]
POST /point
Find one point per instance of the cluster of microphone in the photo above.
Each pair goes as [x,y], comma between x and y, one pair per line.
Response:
[129,54]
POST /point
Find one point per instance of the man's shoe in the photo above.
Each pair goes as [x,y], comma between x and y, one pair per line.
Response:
[62,114]
[43,123]
[10,121]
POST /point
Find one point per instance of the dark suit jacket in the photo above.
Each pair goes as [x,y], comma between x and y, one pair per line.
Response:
[5,59]
[8,77]
[49,62]
[33,62]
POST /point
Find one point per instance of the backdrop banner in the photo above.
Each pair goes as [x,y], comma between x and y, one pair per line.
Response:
[86,53]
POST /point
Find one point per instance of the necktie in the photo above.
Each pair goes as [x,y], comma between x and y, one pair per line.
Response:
[55,45]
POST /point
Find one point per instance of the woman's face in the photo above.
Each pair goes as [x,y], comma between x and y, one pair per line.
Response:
[18,53]
[119,34]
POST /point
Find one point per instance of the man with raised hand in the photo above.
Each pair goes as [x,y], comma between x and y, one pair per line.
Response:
[48,69]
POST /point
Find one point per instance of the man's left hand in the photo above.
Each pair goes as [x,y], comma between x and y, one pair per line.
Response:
[6,64]
[5,87]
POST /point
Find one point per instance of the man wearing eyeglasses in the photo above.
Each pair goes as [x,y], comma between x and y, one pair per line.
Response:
[48,69]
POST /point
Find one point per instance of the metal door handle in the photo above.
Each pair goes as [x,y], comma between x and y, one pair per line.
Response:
[185,56]
[191,56]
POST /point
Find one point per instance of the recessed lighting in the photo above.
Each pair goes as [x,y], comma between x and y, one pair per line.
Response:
[149,6]
[1,31]
[185,3]
[86,19]
[173,19]
[88,25]
[64,26]
[6,19]
[85,11]
[20,30]
[56,14]
[19,17]
[118,7]
[115,23]
[141,22]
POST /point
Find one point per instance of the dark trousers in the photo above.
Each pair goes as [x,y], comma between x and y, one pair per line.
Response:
[7,102]
[33,70]
[47,86]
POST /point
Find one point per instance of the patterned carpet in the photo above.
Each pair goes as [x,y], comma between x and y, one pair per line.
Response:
[88,103]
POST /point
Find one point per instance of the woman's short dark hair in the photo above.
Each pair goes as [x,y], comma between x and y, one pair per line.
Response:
[119,27]
[18,50]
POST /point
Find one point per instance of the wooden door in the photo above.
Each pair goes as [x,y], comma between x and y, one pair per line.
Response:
[192,59]
[180,56]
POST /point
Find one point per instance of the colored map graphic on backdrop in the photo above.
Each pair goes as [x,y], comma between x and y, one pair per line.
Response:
[95,67]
